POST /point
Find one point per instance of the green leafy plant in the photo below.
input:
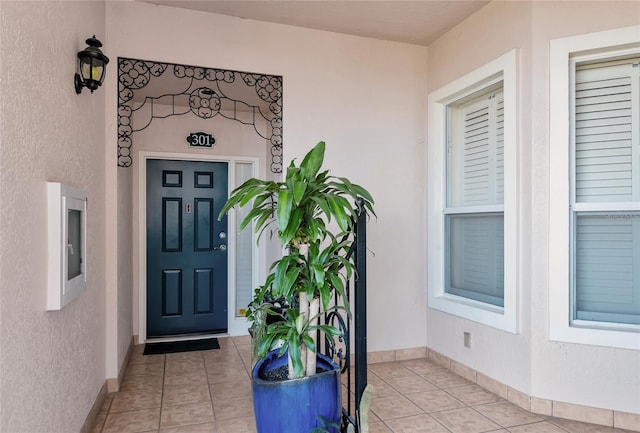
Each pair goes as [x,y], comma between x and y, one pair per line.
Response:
[314,213]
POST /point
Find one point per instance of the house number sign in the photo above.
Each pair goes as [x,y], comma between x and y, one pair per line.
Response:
[200,139]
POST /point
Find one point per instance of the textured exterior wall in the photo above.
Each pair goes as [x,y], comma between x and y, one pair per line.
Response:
[589,375]
[125,267]
[529,362]
[491,32]
[52,363]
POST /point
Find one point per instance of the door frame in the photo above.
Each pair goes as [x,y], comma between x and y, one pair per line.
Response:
[235,325]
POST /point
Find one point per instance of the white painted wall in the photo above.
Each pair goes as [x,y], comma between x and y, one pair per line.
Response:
[364,97]
[493,31]
[528,361]
[582,374]
[126,314]
[52,363]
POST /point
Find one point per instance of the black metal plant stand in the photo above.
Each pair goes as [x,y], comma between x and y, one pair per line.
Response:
[355,329]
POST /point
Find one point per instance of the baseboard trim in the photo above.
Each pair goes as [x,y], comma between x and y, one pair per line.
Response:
[539,406]
[91,418]
[113,384]
[109,386]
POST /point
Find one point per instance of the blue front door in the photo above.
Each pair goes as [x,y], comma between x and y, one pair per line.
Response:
[186,247]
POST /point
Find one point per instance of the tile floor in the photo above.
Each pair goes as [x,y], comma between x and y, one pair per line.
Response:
[210,392]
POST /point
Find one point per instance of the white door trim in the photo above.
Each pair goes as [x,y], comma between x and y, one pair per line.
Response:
[236,325]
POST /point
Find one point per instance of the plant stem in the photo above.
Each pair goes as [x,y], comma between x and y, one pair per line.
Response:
[314,310]
[304,311]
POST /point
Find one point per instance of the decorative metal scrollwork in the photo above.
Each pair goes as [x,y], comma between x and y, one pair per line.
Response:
[338,348]
[204,102]
[203,97]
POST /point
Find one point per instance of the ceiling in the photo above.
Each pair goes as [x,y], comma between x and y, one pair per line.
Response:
[416,22]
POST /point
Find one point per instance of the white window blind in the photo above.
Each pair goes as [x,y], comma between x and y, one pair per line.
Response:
[476,260]
[475,212]
[606,204]
[476,149]
[606,159]
[608,267]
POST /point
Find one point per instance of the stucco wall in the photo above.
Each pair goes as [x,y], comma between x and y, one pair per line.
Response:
[125,322]
[364,97]
[582,374]
[53,363]
[529,361]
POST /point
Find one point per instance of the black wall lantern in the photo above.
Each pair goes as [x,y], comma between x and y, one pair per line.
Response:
[92,64]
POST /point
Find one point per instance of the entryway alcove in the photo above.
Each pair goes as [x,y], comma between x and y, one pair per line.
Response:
[159,106]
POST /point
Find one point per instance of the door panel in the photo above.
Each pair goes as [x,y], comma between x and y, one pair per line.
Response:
[186,266]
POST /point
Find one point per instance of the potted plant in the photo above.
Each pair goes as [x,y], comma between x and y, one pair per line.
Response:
[314,213]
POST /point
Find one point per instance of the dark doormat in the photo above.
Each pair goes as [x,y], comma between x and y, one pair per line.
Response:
[180,346]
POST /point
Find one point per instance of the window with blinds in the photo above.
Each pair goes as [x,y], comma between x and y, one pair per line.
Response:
[474,216]
[605,204]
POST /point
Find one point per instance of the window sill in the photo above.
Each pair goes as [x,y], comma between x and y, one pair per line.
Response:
[486,314]
[611,336]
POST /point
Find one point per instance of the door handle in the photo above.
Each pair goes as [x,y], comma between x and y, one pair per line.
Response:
[222,247]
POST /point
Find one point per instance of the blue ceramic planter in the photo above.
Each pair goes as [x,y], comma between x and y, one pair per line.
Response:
[294,406]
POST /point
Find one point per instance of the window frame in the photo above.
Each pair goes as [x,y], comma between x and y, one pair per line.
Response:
[562,326]
[505,69]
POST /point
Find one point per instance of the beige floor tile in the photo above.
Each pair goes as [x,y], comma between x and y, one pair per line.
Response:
[142,384]
[446,379]
[154,369]
[423,366]
[185,414]
[181,366]
[222,357]
[381,389]
[410,384]
[472,395]
[435,401]
[184,379]
[229,376]
[132,422]
[146,359]
[390,369]
[127,401]
[233,408]
[209,427]
[228,363]
[233,389]
[410,396]
[416,424]
[150,386]
[378,427]
[238,425]
[175,395]
[394,407]
[539,427]
[185,356]
[465,420]
[243,340]
[507,414]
